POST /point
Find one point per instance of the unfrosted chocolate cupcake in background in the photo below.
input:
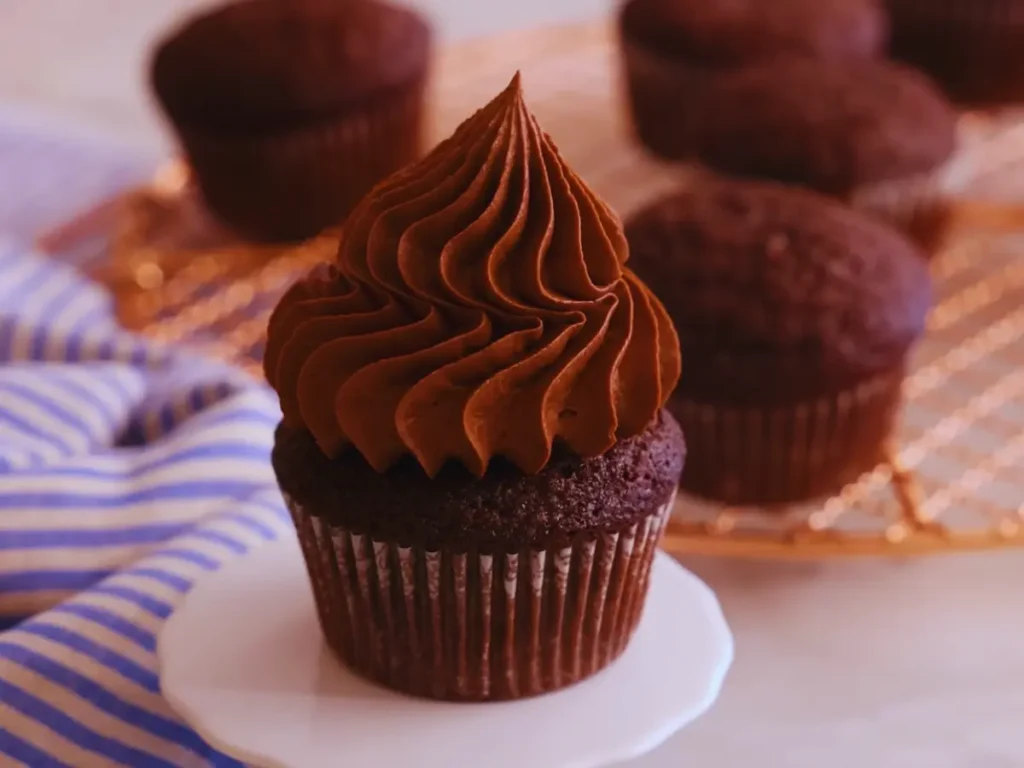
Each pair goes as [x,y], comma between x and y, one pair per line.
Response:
[289,112]
[795,316]
[973,48]
[672,49]
[473,444]
[877,135]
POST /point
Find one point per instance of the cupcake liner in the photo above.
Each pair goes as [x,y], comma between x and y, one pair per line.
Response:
[290,185]
[468,625]
[920,205]
[973,48]
[785,454]
[662,95]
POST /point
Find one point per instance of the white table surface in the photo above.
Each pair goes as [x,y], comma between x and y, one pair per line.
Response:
[870,664]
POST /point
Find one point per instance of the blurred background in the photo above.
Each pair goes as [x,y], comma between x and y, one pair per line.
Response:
[82,64]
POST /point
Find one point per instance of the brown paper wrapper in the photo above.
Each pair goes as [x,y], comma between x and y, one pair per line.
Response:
[463,625]
[920,205]
[662,95]
[289,186]
[786,454]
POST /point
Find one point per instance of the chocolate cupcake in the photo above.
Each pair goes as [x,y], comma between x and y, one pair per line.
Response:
[289,112]
[876,135]
[473,444]
[796,316]
[673,49]
[974,49]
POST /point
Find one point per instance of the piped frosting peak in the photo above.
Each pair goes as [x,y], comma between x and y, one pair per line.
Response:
[478,307]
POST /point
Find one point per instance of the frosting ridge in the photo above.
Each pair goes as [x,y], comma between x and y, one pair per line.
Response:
[478,306]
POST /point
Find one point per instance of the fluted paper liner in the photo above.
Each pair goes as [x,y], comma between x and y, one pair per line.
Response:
[291,184]
[790,453]
[662,93]
[920,205]
[463,625]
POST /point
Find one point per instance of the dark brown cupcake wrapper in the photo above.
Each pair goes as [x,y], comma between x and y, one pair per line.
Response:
[292,184]
[786,454]
[435,623]
[662,94]
[920,205]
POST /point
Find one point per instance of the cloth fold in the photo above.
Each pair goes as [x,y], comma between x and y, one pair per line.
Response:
[127,471]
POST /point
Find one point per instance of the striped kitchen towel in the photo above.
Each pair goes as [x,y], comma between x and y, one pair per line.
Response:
[127,471]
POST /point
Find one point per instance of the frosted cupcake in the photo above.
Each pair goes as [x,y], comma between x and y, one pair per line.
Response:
[473,444]
[798,317]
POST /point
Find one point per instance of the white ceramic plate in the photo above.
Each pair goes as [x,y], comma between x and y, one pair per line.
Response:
[242,661]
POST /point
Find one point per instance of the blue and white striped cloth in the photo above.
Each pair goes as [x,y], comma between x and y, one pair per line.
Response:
[127,471]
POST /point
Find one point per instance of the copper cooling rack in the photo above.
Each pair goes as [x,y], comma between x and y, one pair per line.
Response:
[954,479]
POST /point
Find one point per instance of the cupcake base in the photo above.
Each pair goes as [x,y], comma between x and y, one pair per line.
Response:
[475,626]
[787,454]
[662,95]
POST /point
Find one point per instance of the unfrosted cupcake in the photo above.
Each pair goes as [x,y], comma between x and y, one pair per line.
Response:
[877,135]
[473,444]
[796,317]
[289,112]
[973,48]
[673,49]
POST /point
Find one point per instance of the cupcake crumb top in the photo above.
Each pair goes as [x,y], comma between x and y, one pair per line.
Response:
[722,33]
[831,126]
[777,292]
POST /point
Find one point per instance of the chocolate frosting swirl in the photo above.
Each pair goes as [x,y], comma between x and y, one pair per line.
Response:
[478,307]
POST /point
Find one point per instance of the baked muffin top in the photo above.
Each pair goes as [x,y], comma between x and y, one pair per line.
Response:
[779,294]
[729,32]
[828,125]
[503,508]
